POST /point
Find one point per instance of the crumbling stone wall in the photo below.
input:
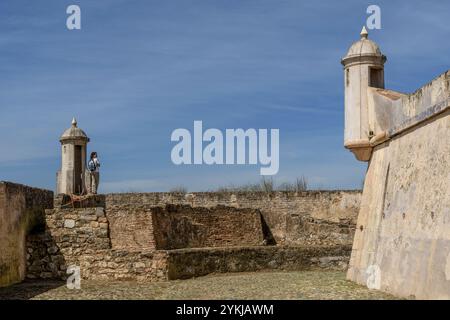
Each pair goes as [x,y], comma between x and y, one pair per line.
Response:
[187,263]
[133,236]
[70,233]
[80,237]
[187,227]
[131,227]
[21,210]
[47,259]
[291,218]
[113,245]
[146,227]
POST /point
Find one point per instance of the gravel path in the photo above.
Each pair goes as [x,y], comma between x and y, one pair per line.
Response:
[260,285]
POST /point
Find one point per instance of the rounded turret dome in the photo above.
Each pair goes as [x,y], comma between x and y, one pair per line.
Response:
[364,48]
[74,133]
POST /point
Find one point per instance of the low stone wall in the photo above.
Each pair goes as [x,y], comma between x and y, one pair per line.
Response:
[70,236]
[21,210]
[145,227]
[125,265]
[131,227]
[187,263]
[80,237]
[113,245]
[48,259]
[78,230]
[160,236]
[161,265]
[187,227]
[291,218]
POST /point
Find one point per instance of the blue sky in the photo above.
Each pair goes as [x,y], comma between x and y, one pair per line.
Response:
[140,69]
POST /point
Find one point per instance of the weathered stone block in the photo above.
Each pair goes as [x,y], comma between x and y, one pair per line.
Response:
[100,212]
[88,217]
[69,223]
[52,249]
[94,224]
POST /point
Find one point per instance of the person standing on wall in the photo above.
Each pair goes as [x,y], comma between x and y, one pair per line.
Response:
[94,173]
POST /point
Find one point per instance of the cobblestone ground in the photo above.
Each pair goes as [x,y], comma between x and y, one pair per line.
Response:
[261,285]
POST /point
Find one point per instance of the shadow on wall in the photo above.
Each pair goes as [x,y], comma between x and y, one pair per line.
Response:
[44,261]
[28,289]
[267,234]
[44,257]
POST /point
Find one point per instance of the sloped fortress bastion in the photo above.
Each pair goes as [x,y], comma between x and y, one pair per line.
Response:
[402,238]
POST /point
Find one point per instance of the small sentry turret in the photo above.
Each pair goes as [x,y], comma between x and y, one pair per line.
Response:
[363,68]
[71,177]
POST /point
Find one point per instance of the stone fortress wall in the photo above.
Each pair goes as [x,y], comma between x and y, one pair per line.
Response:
[21,208]
[161,236]
[292,218]
[403,232]
[402,240]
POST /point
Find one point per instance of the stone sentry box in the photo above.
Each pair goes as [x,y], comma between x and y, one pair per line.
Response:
[72,177]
